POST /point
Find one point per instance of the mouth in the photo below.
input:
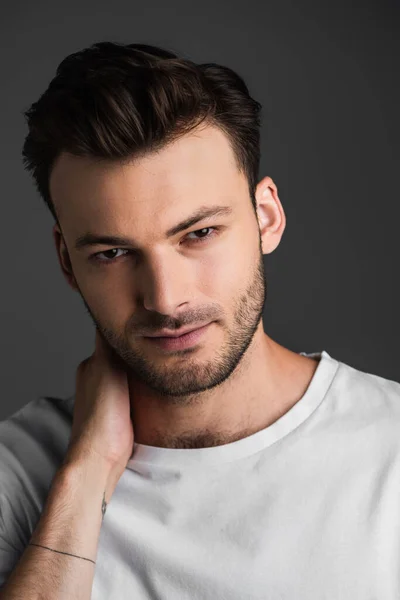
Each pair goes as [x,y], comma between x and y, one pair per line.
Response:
[164,333]
[178,342]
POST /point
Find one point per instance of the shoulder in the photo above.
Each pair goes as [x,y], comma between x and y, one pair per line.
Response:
[365,404]
[33,442]
[367,390]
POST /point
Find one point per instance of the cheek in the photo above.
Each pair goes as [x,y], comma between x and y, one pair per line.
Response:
[218,276]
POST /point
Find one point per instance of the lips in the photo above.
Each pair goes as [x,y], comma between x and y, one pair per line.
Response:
[174,334]
[191,339]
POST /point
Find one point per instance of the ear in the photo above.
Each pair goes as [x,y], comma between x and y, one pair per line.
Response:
[270,214]
[63,257]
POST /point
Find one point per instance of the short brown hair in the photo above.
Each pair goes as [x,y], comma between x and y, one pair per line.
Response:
[116,101]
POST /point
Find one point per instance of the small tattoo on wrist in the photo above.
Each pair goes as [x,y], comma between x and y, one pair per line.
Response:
[104,506]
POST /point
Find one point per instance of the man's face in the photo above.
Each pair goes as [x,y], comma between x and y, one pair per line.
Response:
[212,271]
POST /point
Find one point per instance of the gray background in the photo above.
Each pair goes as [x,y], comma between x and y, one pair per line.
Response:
[327,75]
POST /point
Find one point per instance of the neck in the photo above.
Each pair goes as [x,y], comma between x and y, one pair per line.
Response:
[267,382]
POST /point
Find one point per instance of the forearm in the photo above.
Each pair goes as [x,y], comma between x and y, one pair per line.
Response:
[70,524]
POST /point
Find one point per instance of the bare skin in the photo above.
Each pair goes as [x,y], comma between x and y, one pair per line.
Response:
[236,380]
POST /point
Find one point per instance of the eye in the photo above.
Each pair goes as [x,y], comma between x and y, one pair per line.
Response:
[114,258]
[108,258]
[205,237]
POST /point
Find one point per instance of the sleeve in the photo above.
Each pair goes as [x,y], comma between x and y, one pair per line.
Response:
[11,548]
[32,444]
[19,507]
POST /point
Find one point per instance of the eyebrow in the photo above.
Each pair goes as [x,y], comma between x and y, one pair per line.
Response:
[204,212]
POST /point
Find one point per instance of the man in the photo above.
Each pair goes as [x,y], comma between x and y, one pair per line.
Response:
[197,458]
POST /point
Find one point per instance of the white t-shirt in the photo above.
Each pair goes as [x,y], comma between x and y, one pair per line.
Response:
[308,508]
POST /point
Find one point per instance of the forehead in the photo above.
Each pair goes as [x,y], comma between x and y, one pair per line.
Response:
[191,170]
